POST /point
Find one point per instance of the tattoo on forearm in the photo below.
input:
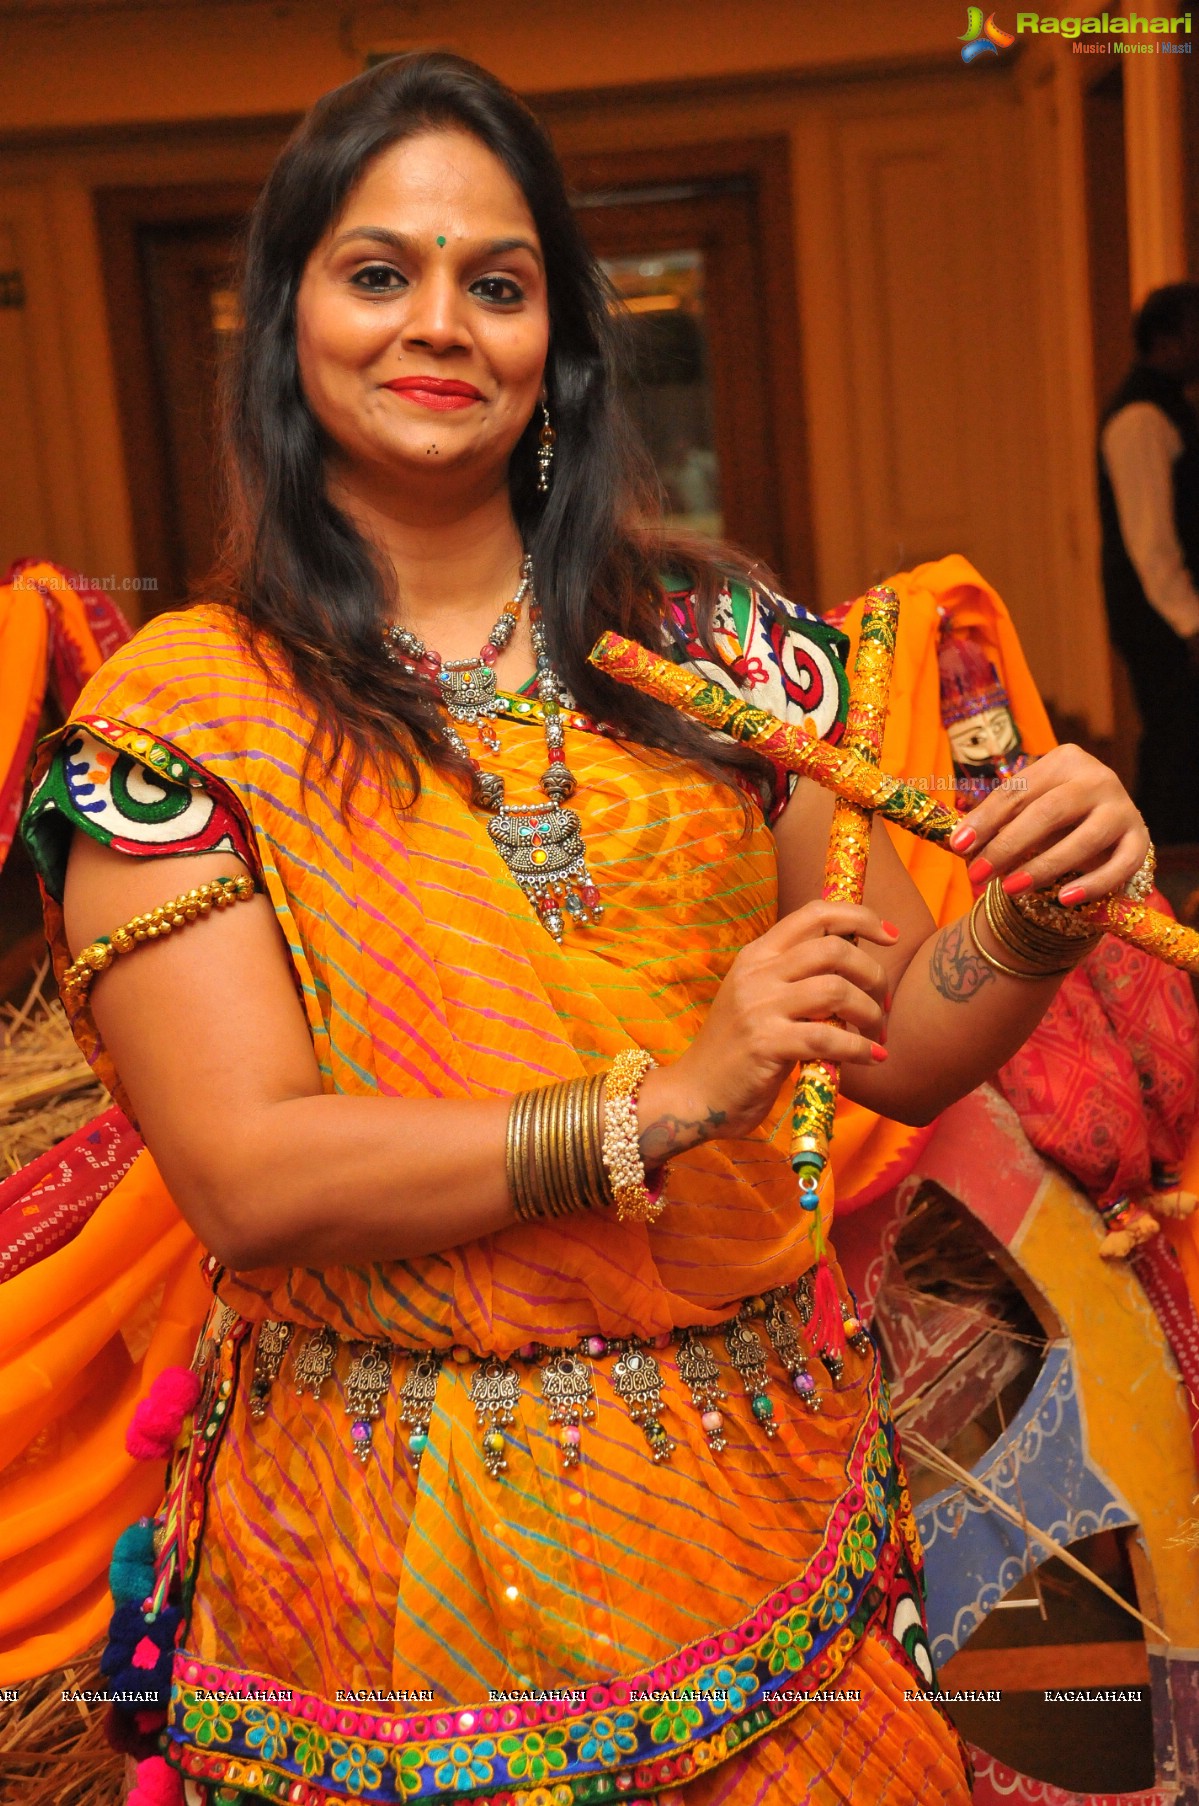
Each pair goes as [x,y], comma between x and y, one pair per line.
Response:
[670,1135]
[954,966]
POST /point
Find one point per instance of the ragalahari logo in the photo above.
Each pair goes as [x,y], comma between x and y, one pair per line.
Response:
[982,37]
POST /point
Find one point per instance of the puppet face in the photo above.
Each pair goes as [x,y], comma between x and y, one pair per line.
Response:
[984,739]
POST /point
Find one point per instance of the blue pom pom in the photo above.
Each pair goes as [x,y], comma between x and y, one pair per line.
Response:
[155,1681]
[136,1543]
[130,1582]
[131,1571]
[126,1628]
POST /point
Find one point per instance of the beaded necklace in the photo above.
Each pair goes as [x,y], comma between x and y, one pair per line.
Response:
[540,843]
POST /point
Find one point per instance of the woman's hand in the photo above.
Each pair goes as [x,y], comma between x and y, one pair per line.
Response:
[1063,813]
[769,1015]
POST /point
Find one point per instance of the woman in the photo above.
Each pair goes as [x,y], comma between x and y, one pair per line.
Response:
[516,1471]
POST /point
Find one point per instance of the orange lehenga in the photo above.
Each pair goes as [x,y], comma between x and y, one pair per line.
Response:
[366,1611]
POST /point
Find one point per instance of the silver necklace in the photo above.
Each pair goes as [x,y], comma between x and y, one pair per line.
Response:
[540,843]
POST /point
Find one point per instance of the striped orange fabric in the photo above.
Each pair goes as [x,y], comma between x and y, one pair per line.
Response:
[425,973]
[352,1628]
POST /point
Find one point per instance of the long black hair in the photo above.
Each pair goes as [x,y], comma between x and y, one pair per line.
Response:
[297,571]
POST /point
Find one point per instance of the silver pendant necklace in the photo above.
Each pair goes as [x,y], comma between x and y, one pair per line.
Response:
[540,843]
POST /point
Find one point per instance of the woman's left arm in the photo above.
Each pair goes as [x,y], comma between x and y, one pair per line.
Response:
[954,1019]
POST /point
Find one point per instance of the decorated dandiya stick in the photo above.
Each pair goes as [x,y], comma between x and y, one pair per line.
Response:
[815,1103]
[851,775]
[842,769]
[845,879]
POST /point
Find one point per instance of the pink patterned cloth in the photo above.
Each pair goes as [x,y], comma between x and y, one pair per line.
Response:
[44,1205]
[1107,1084]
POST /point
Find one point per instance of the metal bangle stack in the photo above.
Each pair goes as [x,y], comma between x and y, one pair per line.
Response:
[555,1150]
[1048,939]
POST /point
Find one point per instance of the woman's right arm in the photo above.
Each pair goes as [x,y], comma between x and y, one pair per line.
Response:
[213,1048]
[214,1051]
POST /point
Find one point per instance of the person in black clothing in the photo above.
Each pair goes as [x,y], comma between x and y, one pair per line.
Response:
[1149,508]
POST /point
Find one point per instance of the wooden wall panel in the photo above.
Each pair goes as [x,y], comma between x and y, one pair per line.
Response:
[26,522]
[935,373]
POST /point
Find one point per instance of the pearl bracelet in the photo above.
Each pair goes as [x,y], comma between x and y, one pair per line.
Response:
[635,1201]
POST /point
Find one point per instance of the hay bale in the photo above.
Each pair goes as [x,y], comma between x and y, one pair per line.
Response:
[47,1088]
[52,1750]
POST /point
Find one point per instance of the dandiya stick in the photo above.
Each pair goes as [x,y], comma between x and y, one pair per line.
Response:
[815,1103]
[850,775]
[844,881]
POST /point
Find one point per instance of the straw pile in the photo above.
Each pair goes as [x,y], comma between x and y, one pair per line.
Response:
[47,1089]
[52,1751]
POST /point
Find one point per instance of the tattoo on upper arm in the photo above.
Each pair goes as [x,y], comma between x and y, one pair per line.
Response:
[954,965]
[670,1135]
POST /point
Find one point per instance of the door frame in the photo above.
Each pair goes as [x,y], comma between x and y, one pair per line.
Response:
[763,166]
[122,215]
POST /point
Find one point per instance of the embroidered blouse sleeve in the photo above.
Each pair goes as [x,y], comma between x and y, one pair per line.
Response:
[132,792]
[777,656]
[139,795]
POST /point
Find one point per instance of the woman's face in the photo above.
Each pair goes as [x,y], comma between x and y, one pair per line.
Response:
[422,321]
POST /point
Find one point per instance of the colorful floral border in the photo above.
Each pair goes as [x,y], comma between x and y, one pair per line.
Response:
[548,1753]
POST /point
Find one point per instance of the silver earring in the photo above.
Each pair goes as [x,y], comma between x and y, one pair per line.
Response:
[545,450]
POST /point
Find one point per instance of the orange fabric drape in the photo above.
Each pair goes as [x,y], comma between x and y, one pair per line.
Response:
[870,1152]
[69,1380]
[24,635]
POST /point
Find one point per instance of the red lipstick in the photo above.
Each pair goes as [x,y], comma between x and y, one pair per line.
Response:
[435,391]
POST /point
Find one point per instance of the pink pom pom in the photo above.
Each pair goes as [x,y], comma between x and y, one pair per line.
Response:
[157,1784]
[146,1654]
[159,1417]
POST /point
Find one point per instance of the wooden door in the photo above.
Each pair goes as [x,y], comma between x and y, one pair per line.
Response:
[170,259]
[697,241]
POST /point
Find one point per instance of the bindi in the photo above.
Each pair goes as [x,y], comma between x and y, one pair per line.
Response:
[441,241]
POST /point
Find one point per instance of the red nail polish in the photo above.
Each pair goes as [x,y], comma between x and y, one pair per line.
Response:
[979,871]
[962,839]
[877,1051]
[1017,882]
[890,928]
[887,1004]
[1073,893]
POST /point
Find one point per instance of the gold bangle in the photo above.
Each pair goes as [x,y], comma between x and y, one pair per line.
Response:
[513,1150]
[558,1135]
[1014,932]
[520,1120]
[598,1186]
[154,925]
[512,1164]
[576,1178]
[997,965]
[539,1149]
